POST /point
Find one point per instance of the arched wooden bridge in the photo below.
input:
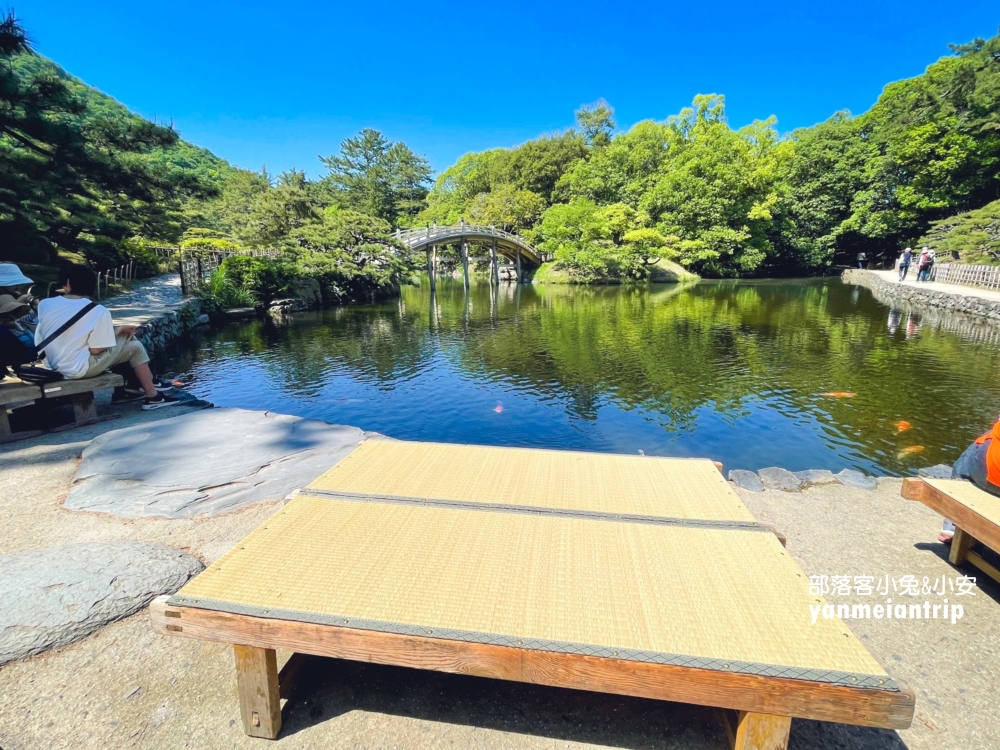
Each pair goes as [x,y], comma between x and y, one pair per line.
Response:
[507,244]
[511,246]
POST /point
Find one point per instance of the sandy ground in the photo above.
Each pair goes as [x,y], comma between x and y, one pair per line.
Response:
[125,687]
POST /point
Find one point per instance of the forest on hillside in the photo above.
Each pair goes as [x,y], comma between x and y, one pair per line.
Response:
[82,177]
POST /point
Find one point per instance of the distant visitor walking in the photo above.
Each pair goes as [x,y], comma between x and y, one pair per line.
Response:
[904,263]
[862,257]
[925,265]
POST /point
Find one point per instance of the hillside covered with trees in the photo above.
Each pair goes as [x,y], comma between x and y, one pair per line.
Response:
[748,201]
[81,176]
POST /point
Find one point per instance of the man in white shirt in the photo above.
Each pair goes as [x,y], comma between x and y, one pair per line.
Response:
[91,345]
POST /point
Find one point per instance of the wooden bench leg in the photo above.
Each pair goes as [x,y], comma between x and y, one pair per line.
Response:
[6,436]
[960,544]
[84,408]
[260,702]
[750,731]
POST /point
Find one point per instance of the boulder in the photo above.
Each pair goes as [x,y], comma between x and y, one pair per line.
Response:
[307,289]
[748,480]
[239,313]
[812,477]
[776,478]
[853,478]
[206,463]
[282,307]
[56,596]
[938,471]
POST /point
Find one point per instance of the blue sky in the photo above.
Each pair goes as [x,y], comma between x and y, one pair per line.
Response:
[278,84]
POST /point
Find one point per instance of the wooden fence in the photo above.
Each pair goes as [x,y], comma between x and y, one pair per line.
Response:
[986,277]
[196,266]
[121,278]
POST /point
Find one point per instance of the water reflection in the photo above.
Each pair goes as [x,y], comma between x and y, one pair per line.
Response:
[735,371]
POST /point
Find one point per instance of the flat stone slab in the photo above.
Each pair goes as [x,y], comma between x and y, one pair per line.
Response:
[813,477]
[748,480]
[854,478]
[206,463]
[56,596]
[938,471]
[776,478]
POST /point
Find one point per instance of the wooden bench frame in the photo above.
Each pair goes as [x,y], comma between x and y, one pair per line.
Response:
[970,527]
[16,393]
[759,709]
[80,393]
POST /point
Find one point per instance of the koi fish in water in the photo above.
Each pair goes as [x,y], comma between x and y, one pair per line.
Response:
[902,425]
[910,451]
[498,408]
[840,394]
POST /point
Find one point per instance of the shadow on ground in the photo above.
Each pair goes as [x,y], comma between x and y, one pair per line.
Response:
[327,688]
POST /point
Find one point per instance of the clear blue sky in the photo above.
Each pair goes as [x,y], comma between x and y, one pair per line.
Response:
[277,84]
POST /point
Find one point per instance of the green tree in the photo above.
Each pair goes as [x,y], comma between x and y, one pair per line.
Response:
[349,252]
[597,122]
[377,177]
[507,208]
[73,180]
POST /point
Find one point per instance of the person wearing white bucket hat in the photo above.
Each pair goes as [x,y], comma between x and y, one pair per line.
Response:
[11,279]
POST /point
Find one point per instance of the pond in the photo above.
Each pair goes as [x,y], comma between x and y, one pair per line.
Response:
[737,371]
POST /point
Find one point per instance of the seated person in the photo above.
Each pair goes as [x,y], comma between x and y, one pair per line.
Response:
[17,339]
[979,464]
[12,281]
[91,345]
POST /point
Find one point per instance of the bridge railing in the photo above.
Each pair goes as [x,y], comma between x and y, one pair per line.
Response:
[423,235]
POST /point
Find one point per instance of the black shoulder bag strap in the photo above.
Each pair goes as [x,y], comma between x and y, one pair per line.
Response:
[64,327]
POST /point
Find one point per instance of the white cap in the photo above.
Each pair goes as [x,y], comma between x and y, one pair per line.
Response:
[10,275]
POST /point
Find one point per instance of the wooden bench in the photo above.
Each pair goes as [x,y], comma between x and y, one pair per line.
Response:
[16,392]
[975,513]
[575,570]
[80,393]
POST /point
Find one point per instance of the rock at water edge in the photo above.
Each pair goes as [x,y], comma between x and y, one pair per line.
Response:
[207,462]
[853,478]
[748,480]
[56,596]
[938,471]
[812,477]
[776,478]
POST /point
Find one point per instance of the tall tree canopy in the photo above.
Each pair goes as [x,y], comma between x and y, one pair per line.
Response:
[74,180]
[377,177]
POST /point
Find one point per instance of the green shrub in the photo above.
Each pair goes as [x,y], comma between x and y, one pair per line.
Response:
[223,293]
[265,278]
[210,243]
[140,251]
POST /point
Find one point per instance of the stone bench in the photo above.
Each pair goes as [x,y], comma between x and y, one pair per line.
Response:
[80,393]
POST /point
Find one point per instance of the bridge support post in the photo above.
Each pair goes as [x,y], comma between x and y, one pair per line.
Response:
[465,262]
[494,270]
[432,266]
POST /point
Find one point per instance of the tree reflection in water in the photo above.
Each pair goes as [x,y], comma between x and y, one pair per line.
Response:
[731,370]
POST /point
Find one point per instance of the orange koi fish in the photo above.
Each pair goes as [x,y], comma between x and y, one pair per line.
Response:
[840,394]
[902,425]
[910,451]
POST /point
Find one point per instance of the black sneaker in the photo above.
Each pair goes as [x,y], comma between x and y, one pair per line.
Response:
[161,400]
[125,396]
[160,386]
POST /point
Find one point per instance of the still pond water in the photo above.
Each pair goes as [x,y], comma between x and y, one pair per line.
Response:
[731,371]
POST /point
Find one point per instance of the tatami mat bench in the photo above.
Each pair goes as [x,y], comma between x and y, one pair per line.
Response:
[975,513]
[630,575]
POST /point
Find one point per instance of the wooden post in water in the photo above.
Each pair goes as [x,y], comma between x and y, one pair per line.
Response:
[494,270]
[465,262]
